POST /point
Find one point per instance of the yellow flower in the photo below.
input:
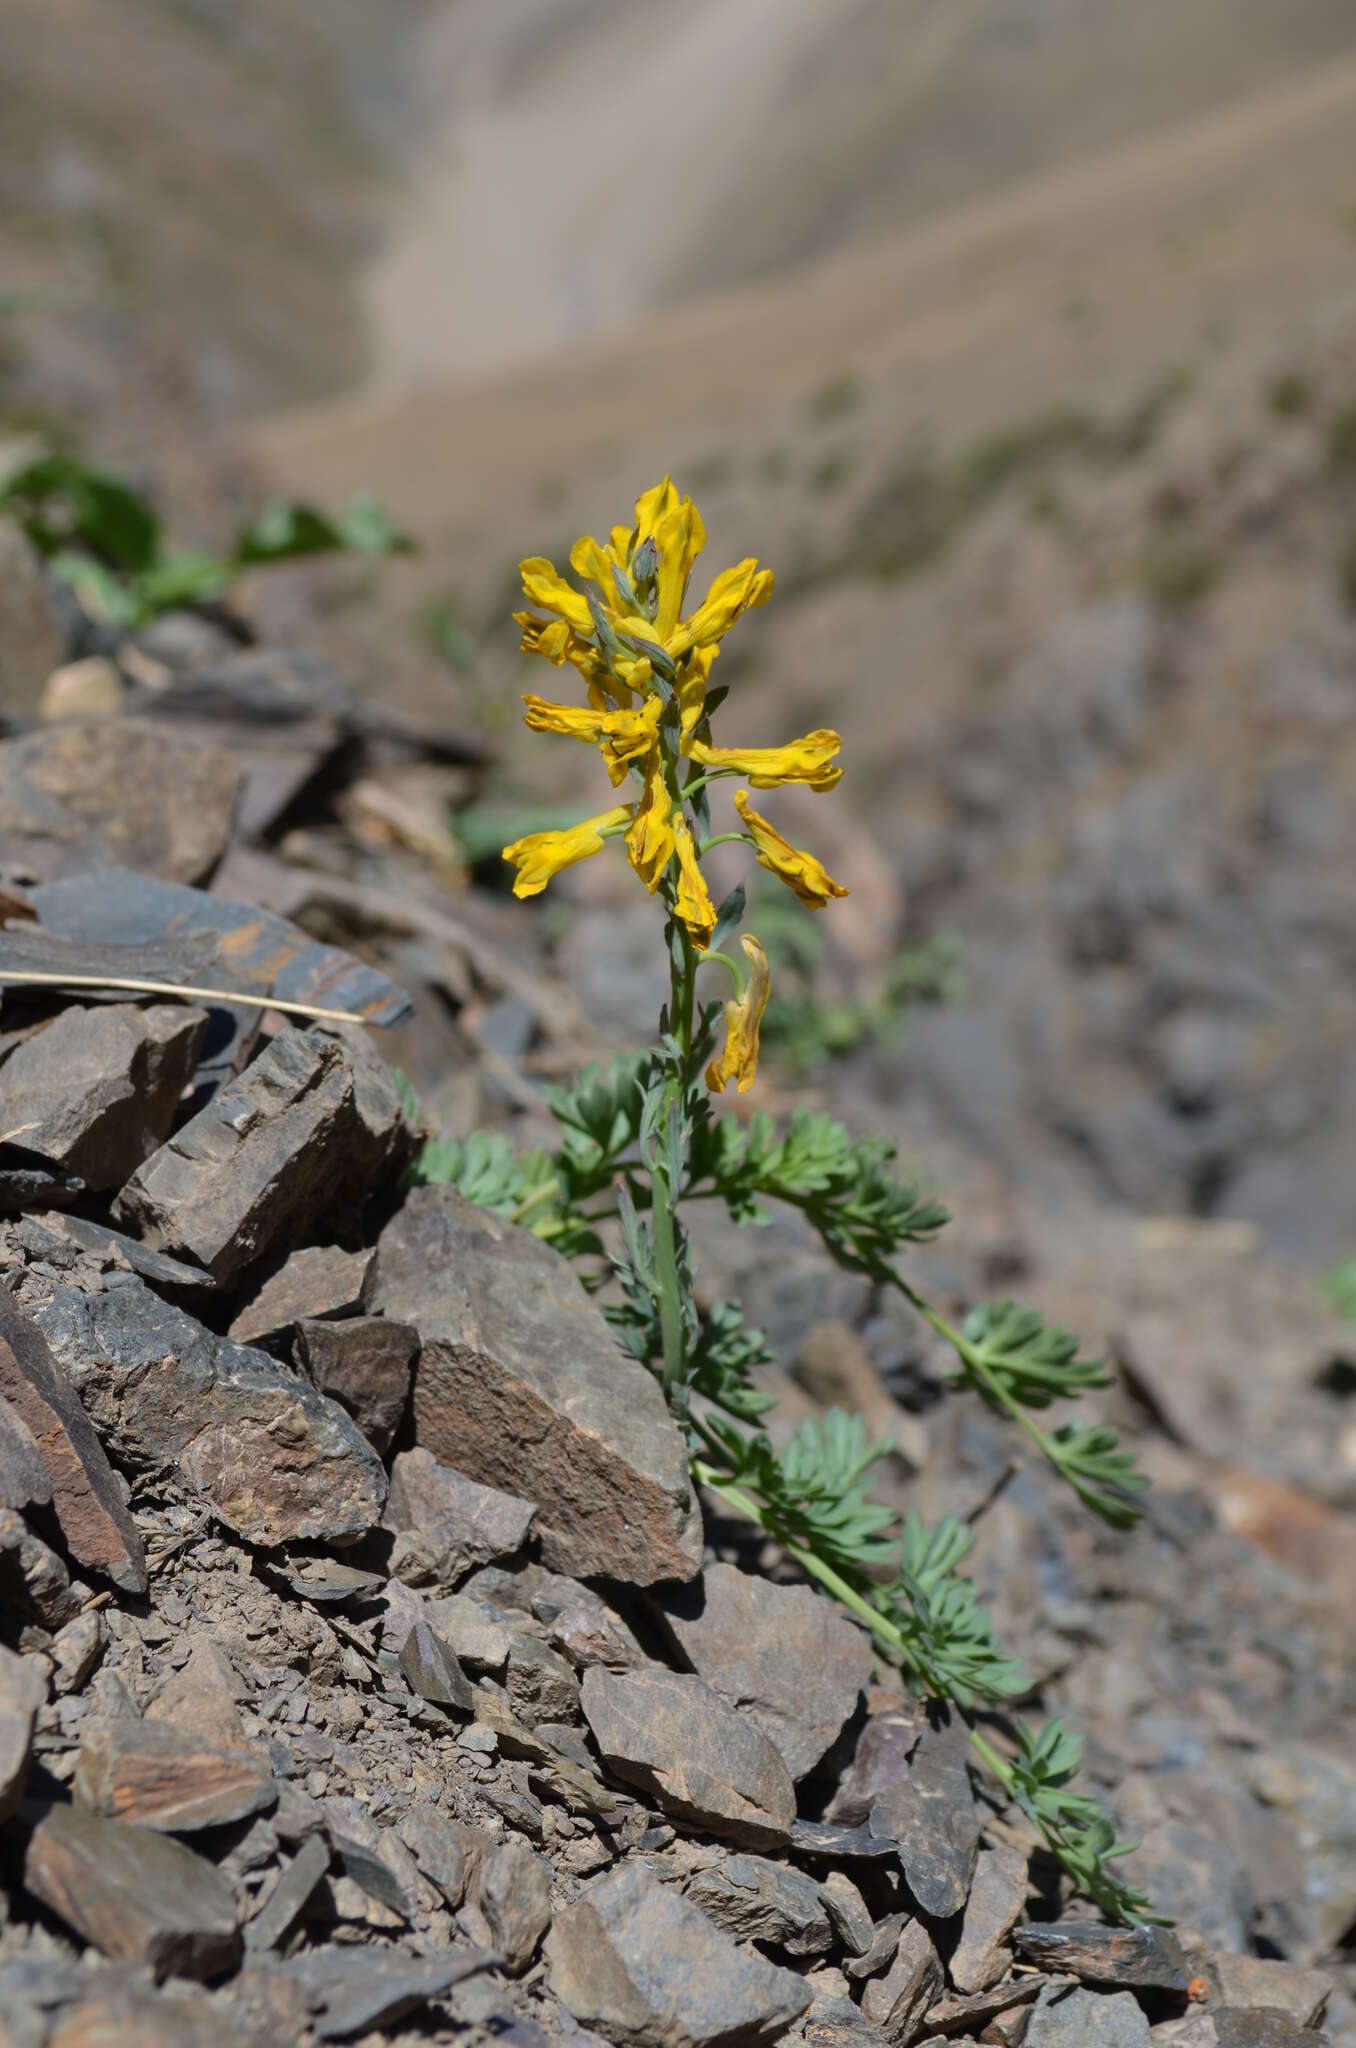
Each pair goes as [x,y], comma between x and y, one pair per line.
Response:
[623,736]
[803,760]
[650,841]
[540,855]
[638,582]
[739,1060]
[800,871]
[694,903]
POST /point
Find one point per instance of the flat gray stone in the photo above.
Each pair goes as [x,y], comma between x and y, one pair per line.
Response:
[25,1481]
[997,1896]
[1076,2018]
[520,1384]
[293,1140]
[272,1457]
[85,1493]
[432,1671]
[848,1912]
[755,1899]
[133,1893]
[31,644]
[23,1689]
[321,1281]
[886,1743]
[1117,1958]
[33,1580]
[512,1892]
[452,1523]
[670,1734]
[785,1656]
[289,1896]
[645,1968]
[897,2004]
[351,1991]
[98,1089]
[930,1815]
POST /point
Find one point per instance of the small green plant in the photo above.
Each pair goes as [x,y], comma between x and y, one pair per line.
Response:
[1339,1285]
[804,1026]
[103,538]
[643,1142]
[1342,440]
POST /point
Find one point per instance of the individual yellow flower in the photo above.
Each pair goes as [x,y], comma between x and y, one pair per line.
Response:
[693,902]
[800,871]
[622,736]
[650,841]
[739,1059]
[804,760]
[540,855]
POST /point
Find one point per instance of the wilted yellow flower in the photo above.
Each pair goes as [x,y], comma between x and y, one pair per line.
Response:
[800,871]
[743,1016]
[623,736]
[540,855]
[694,903]
[803,760]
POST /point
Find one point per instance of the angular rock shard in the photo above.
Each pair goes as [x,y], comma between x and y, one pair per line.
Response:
[897,2003]
[23,1688]
[453,1523]
[930,1815]
[1116,1958]
[98,1089]
[85,1493]
[365,1364]
[789,1659]
[669,1733]
[319,1282]
[274,1459]
[165,1778]
[757,1900]
[133,1893]
[25,1481]
[521,1385]
[282,1146]
[433,1672]
[646,1969]
[992,1910]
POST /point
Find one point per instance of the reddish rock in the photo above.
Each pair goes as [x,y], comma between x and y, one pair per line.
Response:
[365,1364]
[133,1893]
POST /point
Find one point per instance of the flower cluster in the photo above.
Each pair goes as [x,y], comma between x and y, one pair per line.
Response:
[646,670]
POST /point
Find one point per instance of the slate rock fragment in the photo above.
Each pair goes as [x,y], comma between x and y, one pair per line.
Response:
[318,1282]
[33,1580]
[452,1523]
[281,1147]
[432,1671]
[897,2004]
[670,1734]
[884,1747]
[520,1384]
[1115,1958]
[114,792]
[1076,2018]
[164,1777]
[848,1912]
[133,1893]
[22,1692]
[1301,1995]
[972,2012]
[513,1895]
[997,1896]
[930,1814]
[98,1089]
[351,1991]
[755,1899]
[364,1363]
[273,1458]
[789,1659]
[290,1896]
[25,1481]
[87,1499]
[31,643]
[645,1968]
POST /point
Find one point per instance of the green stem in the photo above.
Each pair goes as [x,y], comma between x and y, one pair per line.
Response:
[713,953]
[723,839]
[974,1365]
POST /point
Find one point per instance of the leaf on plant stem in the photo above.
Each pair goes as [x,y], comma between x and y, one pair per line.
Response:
[61,502]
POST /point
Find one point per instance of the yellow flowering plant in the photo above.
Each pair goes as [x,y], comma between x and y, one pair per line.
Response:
[642,1142]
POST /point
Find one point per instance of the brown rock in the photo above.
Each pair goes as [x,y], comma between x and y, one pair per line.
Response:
[453,1522]
[848,1911]
[279,1148]
[289,1896]
[76,1650]
[91,688]
[997,1896]
[786,1657]
[276,1461]
[98,1090]
[897,2003]
[135,2015]
[513,1893]
[640,1965]
[31,644]
[133,1893]
[583,1626]
[86,1496]
[166,1778]
[365,1363]
[884,1747]
[930,1815]
[757,1900]
[201,1697]
[432,1671]
[521,1385]
[310,1285]
[669,1733]
[1113,1958]
[976,2010]
[1300,1995]
[114,792]
[447,1851]
[23,1689]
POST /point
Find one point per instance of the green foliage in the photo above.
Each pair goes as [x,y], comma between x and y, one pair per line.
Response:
[1176,566]
[1040,1779]
[1339,1285]
[1342,440]
[803,1027]
[103,538]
